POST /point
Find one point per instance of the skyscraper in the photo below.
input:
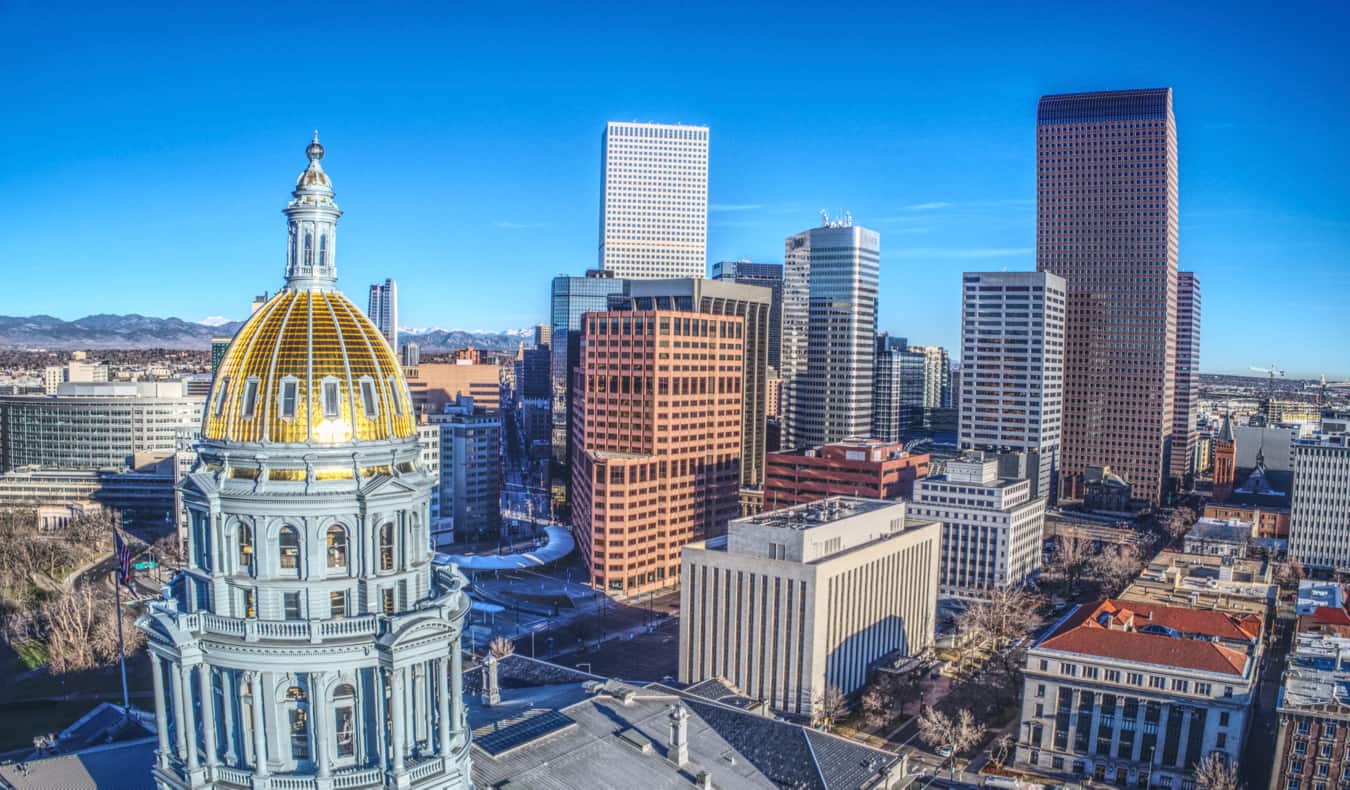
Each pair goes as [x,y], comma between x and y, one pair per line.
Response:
[750,302]
[768,275]
[830,278]
[571,298]
[1107,223]
[1012,368]
[657,446]
[937,377]
[1184,432]
[654,210]
[899,374]
[308,600]
[383,310]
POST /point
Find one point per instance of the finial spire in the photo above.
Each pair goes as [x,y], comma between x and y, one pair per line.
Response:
[315,150]
[312,218]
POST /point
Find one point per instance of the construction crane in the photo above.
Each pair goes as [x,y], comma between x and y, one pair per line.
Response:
[1272,372]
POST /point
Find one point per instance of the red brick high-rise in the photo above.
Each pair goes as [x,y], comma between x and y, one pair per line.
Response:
[656,441]
[1106,221]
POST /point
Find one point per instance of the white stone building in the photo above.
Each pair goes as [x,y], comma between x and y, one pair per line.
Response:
[991,527]
[791,602]
[1319,516]
[654,209]
[1133,694]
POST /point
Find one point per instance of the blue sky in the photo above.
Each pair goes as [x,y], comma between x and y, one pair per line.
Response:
[146,151]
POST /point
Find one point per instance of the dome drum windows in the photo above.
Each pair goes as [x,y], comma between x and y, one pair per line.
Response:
[288,550]
[245,546]
[336,540]
[386,546]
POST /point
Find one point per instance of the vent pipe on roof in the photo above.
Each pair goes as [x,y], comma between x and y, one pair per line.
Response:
[679,735]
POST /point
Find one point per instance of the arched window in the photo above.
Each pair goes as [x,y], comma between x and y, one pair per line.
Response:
[298,722]
[387,546]
[246,547]
[289,544]
[344,719]
[337,546]
[309,248]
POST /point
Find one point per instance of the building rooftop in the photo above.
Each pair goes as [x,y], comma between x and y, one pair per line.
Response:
[1200,581]
[1231,530]
[1317,674]
[561,728]
[1144,633]
[1314,594]
[817,514]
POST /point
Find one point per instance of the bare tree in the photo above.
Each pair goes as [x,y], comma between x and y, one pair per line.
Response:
[958,733]
[501,647]
[884,700]
[993,625]
[830,705]
[1003,749]
[1070,562]
[1217,772]
[1290,573]
[1116,569]
[81,627]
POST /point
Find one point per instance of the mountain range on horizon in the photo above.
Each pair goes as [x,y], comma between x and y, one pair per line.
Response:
[138,332]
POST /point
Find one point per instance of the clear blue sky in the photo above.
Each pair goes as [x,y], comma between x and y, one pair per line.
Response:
[146,152]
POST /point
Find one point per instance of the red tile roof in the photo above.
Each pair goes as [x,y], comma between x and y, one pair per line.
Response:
[1110,629]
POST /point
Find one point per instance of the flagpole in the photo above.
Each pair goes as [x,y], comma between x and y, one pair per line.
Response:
[121,649]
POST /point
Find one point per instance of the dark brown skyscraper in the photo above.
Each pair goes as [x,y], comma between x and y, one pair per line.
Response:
[1106,221]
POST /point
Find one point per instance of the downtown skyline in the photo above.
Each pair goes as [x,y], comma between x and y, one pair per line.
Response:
[496,173]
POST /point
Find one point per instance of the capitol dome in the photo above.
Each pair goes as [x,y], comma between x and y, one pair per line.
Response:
[309,367]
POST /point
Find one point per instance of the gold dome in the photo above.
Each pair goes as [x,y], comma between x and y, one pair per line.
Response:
[309,368]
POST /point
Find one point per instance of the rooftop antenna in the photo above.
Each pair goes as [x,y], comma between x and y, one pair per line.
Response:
[824,218]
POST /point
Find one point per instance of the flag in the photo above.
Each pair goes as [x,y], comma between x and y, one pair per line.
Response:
[123,551]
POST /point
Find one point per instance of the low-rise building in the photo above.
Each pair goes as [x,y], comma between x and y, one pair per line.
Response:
[1312,749]
[792,602]
[991,527]
[1197,581]
[470,469]
[1218,537]
[435,384]
[1135,695]
[854,467]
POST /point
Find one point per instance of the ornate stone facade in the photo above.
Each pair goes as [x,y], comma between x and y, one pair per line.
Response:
[309,642]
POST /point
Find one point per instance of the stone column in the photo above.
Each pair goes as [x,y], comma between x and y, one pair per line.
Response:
[381,720]
[443,703]
[161,714]
[259,733]
[176,681]
[319,718]
[398,739]
[229,691]
[208,714]
[456,686]
[189,726]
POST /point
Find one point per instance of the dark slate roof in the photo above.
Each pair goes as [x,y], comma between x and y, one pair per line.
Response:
[118,766]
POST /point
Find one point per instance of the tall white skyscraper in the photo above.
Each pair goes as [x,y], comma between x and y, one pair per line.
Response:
[830,277]
[1012,367]
[654,210]
[383,310]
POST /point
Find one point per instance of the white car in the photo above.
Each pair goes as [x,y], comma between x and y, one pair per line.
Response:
[944,751]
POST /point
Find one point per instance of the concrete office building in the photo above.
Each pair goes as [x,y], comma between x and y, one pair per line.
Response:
[1011,396]
[308,642]
[830,278]
[791,602]
[654,208]
[383,310]
[854,467]
[429,448]
[767,275]
[1314,719]
[1320,509]
[1135,694]
[657,442]
[991,527]
[1106,221]
[753,303]
[435,385]
[1185,432]
[937,376]
[570,299]
[898,383]
[77,371]
[470,467]
[100,425]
